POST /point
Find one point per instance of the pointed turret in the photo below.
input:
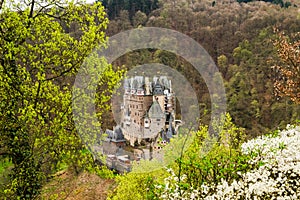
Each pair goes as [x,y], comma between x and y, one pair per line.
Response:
[170,130]
[155,111]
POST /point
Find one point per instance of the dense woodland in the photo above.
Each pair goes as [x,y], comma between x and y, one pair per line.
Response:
[238,36]
[255,44]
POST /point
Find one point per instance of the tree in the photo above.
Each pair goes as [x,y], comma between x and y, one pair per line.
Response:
[114,7]
[39,58]
[139,19]
[287,82]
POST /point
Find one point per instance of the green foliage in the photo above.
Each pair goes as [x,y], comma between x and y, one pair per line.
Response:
[4,164]
[26,180]
[104,172]
[238,37]
[250,83]
[177,146]
[230,135]
[145,166]
[210,159]
[132,6]
[40,53]
[5,168]
[203,159]
[137,186]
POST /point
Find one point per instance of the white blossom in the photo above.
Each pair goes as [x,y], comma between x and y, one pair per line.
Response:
[278,178]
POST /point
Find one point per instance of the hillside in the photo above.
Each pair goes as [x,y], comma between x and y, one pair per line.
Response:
[239,37]
[56,98]
[66,185]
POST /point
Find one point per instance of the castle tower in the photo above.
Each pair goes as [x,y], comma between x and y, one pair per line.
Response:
[148,108]
[147,86]
[156,118]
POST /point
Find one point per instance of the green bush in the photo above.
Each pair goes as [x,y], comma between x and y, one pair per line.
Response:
[205,159]
[137,186]
[209,159]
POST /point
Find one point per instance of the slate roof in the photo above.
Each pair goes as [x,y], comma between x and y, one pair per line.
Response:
[155,111]
[116,135]
[170,130]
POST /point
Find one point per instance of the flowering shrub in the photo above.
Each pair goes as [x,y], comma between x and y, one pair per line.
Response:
[173,188]
[278,176]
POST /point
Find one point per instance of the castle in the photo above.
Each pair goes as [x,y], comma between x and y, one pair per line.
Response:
[148,109]
[147,119]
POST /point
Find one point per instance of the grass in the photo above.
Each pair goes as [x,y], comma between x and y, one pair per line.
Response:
[5,163]
[5,167]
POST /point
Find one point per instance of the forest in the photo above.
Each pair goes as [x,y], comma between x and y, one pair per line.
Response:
[239,38]
[254,44]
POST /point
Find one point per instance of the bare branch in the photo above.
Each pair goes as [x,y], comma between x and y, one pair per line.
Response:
[31,9]
[43,8]
[1,4]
